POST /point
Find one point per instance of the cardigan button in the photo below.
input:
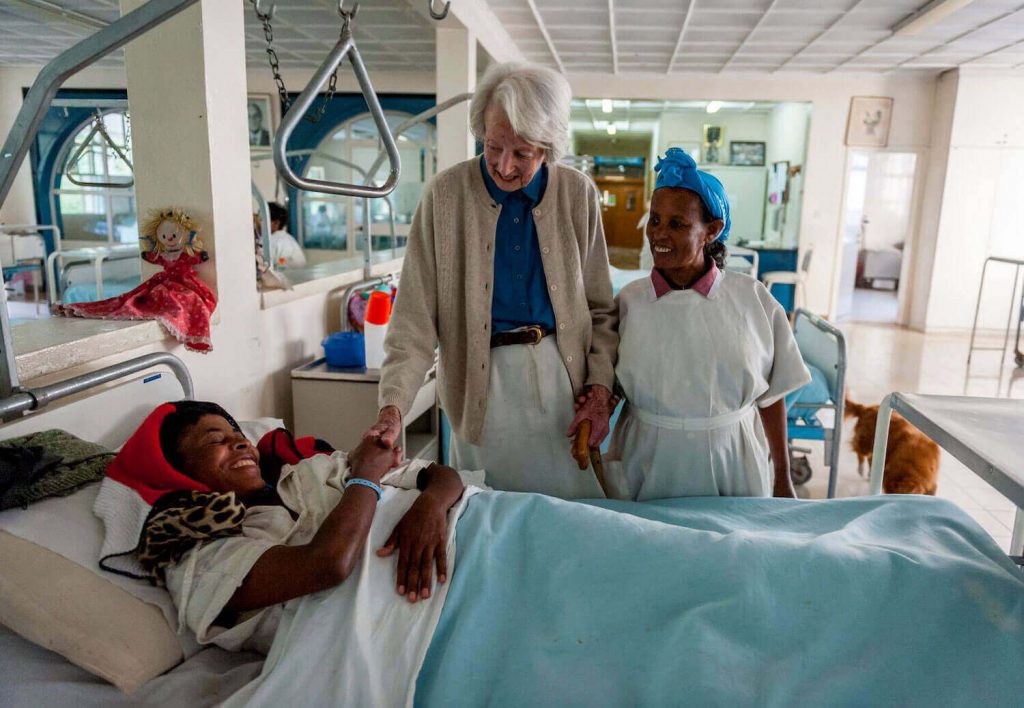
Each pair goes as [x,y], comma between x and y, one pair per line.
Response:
[545,250]
[569,358]
[561,326]
[554,288]
[536,212]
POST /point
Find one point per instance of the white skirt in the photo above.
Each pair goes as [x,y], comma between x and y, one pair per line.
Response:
[529,409]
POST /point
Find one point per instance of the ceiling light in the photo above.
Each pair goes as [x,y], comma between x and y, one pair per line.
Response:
[606,105]
[713,106]
[611,129]
[931,14]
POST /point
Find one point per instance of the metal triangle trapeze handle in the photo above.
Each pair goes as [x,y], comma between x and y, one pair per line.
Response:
[97,127]
[346,46]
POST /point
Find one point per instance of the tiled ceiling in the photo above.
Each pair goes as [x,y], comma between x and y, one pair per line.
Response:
[712,36]
[599,36]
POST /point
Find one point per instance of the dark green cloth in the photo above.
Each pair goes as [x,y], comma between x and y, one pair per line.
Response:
[51,463]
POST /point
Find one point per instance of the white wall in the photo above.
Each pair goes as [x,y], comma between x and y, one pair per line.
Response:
[788,125]
[981,212]
[824,172]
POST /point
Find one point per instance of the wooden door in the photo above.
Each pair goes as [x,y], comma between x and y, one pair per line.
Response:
[622,202]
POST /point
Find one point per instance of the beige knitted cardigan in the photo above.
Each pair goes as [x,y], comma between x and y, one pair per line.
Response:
[444,297]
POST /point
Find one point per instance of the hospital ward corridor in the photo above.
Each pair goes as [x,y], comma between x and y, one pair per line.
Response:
[463,353]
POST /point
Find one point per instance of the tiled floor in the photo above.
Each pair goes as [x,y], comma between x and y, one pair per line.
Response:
[871,305]
[885,358]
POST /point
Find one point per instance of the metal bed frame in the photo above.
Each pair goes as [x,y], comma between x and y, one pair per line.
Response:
[1015,306]
[1008,413]
[33,399]
[97,255]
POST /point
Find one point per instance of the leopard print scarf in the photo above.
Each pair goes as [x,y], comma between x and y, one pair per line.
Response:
[179,521]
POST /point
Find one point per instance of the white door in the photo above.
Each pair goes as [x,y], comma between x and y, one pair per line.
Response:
[853,218]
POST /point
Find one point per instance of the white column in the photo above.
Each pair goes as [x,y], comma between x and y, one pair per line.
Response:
[187,97]
[456,73]
[19,207]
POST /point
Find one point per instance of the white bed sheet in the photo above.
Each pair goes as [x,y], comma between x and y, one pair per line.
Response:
[32,677]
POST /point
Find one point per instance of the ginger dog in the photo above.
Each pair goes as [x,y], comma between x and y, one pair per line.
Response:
[911,458]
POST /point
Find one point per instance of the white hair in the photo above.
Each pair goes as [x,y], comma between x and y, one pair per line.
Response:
[535,100]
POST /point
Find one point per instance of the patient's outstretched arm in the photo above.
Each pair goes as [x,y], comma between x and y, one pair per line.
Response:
[286,572]
[422,534]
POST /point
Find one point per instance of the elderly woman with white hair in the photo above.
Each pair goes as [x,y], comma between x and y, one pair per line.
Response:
[506,272]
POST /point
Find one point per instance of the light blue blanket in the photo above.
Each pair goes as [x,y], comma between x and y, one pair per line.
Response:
[718,601]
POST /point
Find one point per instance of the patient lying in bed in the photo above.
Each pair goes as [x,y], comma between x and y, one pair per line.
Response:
[705,601]
[234,540]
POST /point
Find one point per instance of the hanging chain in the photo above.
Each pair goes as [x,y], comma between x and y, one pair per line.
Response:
[275,66]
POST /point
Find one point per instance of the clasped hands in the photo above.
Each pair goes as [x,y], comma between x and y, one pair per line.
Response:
[421,536]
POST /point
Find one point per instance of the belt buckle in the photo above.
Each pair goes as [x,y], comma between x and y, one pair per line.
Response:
[538,334]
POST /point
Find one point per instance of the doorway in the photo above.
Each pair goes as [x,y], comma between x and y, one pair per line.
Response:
[877,224]
[622,205]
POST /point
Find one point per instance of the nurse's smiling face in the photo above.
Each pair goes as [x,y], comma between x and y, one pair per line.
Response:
[222,458]
[677,230]
[511,161]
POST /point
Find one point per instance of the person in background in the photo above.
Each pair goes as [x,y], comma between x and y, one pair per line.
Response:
[507,273]
[706,358]
[285,251]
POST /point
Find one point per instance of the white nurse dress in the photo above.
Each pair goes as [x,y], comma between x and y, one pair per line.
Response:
[694,370]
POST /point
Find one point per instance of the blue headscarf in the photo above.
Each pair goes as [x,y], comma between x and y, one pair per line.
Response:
[677,169]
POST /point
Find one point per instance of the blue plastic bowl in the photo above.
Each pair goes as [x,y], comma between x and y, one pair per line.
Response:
[345,349]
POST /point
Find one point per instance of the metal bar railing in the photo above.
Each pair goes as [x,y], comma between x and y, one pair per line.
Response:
[346,46]
[422,117]
[36,398]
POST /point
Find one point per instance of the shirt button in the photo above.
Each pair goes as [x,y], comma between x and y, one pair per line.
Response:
[519,277]
[522,304]
[515,220]
[554,288]
[518,248]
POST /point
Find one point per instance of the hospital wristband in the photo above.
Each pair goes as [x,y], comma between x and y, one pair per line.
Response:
[365,483]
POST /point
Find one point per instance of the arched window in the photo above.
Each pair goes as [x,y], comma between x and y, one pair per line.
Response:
[96,213]
[332,222]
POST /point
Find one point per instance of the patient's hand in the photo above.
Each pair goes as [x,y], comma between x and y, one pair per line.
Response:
[421,536]
[372,459]
[596,407]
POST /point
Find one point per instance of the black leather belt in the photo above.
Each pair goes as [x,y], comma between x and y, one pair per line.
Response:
[529,335]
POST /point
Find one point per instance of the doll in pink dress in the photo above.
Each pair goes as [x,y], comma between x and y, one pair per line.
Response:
[174,297]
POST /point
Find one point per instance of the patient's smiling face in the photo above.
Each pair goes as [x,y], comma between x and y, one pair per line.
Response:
[220,457]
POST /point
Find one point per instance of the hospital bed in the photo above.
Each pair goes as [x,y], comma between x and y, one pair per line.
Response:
[985,434]
[822,347]
[104,407]
[125,393]
[94,273]
[23,249]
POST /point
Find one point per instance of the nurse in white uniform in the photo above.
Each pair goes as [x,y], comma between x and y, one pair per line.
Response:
[706,357]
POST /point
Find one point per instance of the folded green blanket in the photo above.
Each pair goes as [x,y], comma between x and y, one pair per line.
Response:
[51,463]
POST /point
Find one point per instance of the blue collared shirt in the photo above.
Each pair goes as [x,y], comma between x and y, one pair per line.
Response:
[520,295]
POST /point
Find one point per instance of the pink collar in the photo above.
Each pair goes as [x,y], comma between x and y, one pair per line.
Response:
[702,286]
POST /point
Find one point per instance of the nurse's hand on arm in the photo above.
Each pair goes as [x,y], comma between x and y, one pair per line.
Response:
[388,426]
[774,419]
[286,572]
[421,537]
[596,406]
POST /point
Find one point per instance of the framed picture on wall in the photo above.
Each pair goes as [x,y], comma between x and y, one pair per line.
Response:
[261,118]
[746,153]
[868,122]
